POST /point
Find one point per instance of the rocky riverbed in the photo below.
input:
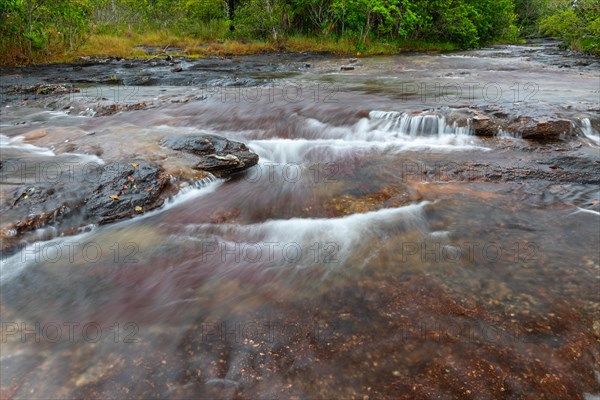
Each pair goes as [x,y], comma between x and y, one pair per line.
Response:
[302,226]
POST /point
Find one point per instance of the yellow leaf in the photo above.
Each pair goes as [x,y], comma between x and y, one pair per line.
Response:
[138,209]
[134,164]
[26,196]
[114,197]
[135,186]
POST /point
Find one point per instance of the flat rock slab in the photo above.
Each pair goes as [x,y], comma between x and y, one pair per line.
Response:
[111,192]
[124,189]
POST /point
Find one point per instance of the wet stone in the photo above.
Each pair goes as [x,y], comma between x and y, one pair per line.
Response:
[124,186]
[217,155]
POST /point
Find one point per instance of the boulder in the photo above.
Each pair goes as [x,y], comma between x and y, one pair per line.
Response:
[217,155]
[541,128]
[483,126]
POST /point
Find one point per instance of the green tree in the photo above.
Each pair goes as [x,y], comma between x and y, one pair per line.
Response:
[73,17]
[262,18]
[576,22]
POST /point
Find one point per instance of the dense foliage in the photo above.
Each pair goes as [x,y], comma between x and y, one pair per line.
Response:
[34,27]
[575,21]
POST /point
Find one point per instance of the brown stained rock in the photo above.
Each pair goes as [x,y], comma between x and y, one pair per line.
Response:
[389,196]
[34,135]
[541,128]
[483,126]
[491,120]
[103,110]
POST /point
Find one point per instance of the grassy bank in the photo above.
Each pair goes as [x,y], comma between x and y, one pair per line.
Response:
[135,45]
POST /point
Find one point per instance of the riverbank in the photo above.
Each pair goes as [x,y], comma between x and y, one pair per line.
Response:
[134,45]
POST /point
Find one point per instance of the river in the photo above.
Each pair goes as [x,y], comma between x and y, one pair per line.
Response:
[379,249]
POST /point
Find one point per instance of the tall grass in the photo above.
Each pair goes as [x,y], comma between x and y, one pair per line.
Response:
[214,38]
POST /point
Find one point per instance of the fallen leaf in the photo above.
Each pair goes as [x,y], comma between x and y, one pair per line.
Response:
[26,196]
[114,197]
[131,178]
[553,167]
[138,209]
[134,164]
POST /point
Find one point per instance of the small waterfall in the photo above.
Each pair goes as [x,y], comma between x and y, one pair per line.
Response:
[382,131]
[418,125]
[588,130]
[187,192]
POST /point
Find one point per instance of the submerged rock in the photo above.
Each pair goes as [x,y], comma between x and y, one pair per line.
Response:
[216,154]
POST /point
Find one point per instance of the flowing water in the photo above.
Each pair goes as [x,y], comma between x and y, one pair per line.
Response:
[350,263]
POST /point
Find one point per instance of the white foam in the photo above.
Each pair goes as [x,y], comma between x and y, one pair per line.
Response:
[342,236]
[589,131]
[16,143]
[583,210]
[383,131]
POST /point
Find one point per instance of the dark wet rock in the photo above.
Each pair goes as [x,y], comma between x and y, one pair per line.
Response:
[216,154]
[124,189]
[227,164]
[37,207]
[199,145]
[176,69]
[249,70]
[140,81]
[43,89]
[110,192]
[346,68]
[92,193]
